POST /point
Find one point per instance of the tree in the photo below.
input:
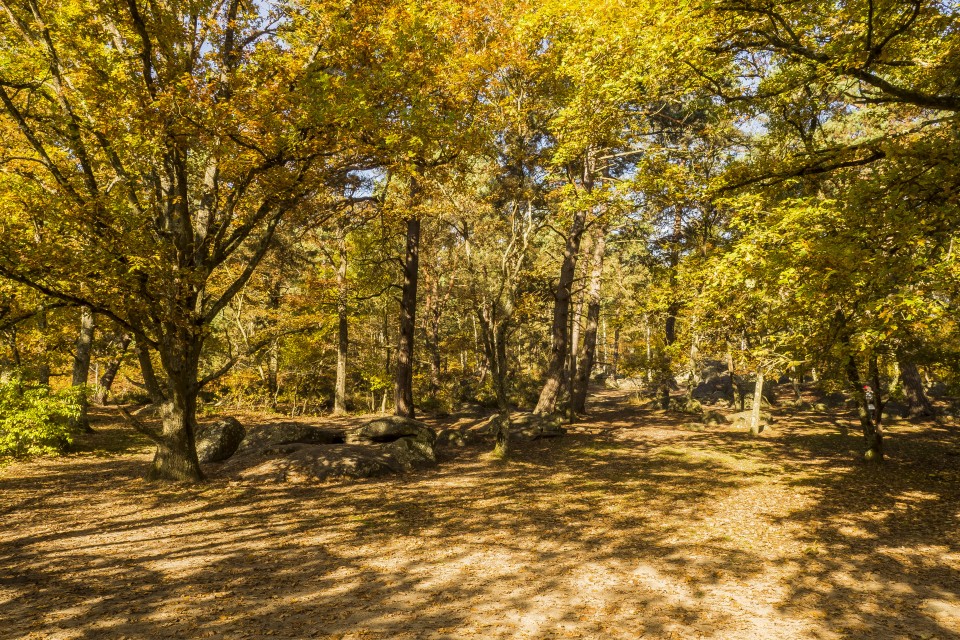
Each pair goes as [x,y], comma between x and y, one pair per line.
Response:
[159,149]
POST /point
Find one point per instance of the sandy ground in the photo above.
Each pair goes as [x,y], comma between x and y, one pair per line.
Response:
[633,526]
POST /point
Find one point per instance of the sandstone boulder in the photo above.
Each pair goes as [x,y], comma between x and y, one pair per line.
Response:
[219,441]
[390,428]
[265,436]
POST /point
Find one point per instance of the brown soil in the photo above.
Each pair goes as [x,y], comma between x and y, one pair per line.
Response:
[634,525]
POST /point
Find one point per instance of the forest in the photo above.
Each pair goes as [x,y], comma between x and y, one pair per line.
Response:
[380,302]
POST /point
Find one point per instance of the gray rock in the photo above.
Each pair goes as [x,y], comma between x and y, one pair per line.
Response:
[219,441]
[451,438]
[389,429]
[711,417]
[743,418]
[306,463]
[410,453]
[264,437]
[530,426]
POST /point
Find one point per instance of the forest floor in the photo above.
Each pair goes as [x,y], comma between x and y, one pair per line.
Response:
[632,526]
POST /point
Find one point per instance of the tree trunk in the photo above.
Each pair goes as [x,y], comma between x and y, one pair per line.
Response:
[494,335]
[755,427]
[43,371]
[81,364]
[403,382]
[732,379]
[113,367]
[176,456]
[582,383]
[570,374]
[616,350]
[670,336]
[273,372]
[433,309]
[547,402]
[343,336]
[872,433]
[918,403]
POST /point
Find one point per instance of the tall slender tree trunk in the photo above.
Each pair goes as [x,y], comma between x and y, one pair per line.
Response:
[547,402]
[113,367]
[732,378]
[343,336]
[81,363]
[582,383]
[670,336]
[757,404]
[694,359]
[273,350]
[616,350]
[403,382]
[433,309]
[43,370]
[918,403]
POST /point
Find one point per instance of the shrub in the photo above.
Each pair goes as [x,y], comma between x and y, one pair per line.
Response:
[36,420]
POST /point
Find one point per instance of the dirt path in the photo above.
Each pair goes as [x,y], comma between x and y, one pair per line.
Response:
[632,526]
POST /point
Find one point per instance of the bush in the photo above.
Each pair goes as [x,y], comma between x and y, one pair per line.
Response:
[35,420]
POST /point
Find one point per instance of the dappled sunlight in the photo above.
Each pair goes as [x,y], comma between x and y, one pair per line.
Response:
[618,533]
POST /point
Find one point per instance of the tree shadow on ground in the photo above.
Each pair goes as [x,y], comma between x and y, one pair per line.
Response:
[639,527]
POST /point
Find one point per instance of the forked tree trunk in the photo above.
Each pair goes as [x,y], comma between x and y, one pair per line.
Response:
[81,363]
[494,334]
[403,382]
[343,335]
[581,385]
[547,402]
[113,367]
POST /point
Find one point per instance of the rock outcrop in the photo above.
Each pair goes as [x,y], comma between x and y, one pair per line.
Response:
[219,441]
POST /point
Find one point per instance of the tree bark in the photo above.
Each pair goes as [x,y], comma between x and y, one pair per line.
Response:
[616,350]
[403,382]
[757,404]
[176,455]
[732,379]
[343,335]
[918,403]
[872,433]
[547,402]
[43,371]
[582,382]
[670,336]
[494,336]
[81,363]
[113,367]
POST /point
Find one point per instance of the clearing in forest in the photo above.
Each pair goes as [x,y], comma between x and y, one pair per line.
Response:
[634,525]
